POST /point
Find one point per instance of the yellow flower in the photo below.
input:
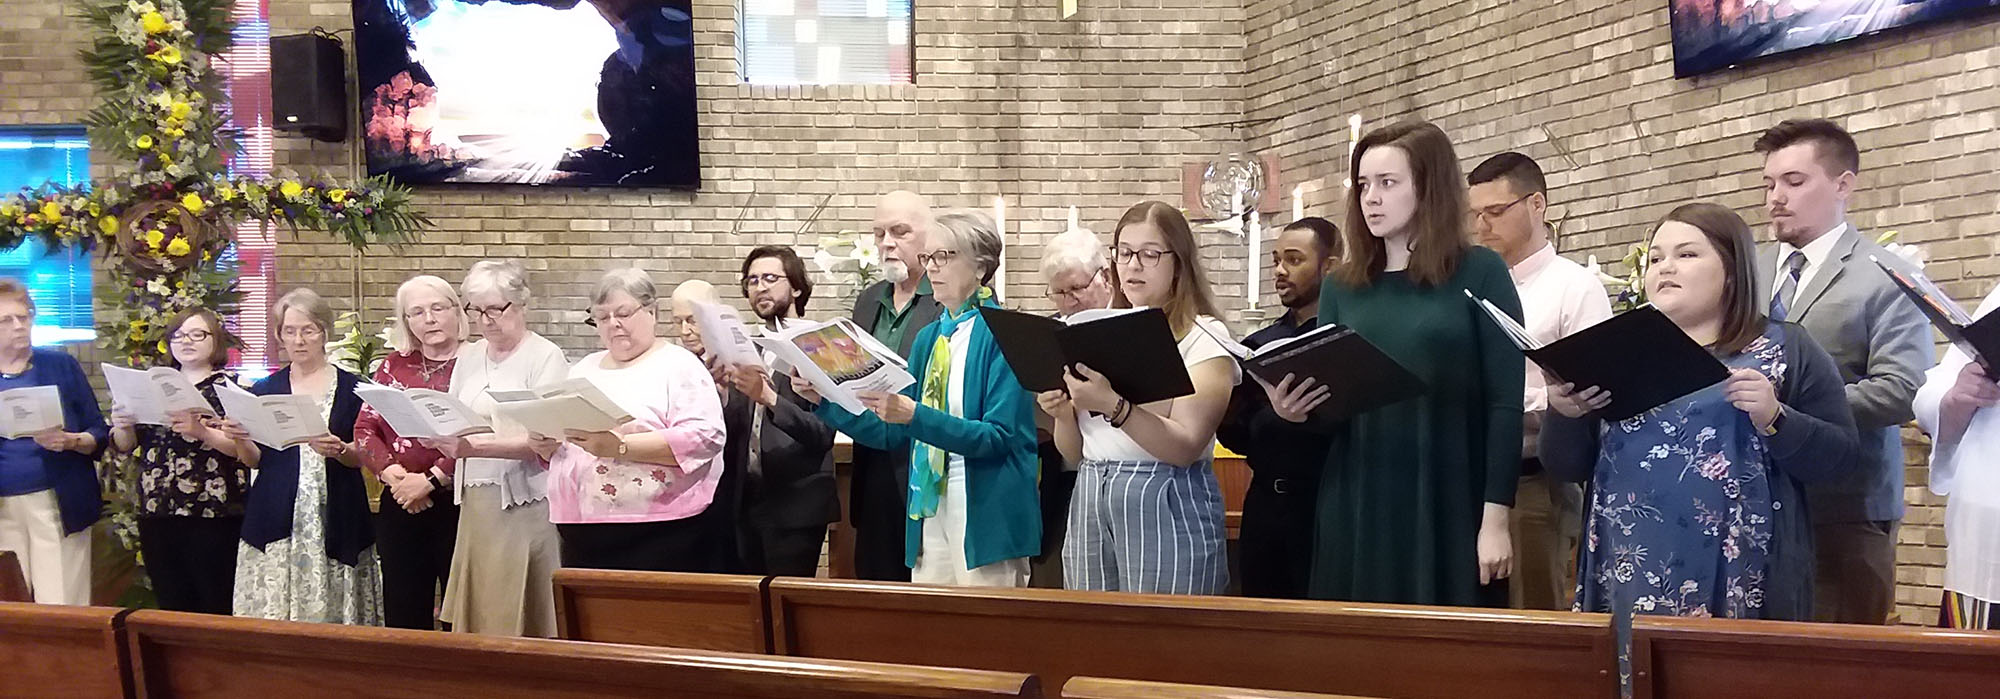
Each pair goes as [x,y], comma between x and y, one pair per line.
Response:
[173,132]
[226,192]
[166,159]
[163,347]
[337,195]
[167,54]
[9,211]
[179,109]
[153,23]
[143,142]
[193,203]
[52,212]
[291,189]
[179,247]
[108,224]
[154,238]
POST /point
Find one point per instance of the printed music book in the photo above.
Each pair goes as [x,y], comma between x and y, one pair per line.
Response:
[1978,339]
[1360,376]
[422,413]
[1134,348]
[276,421]
[576,404]
[839,359]
[153,394]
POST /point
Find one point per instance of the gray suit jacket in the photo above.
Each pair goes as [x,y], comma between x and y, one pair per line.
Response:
[1882,346]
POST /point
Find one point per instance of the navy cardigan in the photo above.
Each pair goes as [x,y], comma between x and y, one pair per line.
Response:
[268,516]
[72,475]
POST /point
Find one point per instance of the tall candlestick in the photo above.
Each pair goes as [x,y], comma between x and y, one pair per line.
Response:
[1298,202]
[1353,138]
[1073,225]
[1000,227]
[1251,270]
[1236,206]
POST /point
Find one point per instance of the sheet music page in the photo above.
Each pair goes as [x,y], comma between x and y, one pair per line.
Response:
[30,409]
[135,391]
[180,393]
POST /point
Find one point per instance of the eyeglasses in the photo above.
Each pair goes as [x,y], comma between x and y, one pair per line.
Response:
[306,333]
[621,316]
[753,281]
[1495,211]
[1147,257]
[191,336]
[1072,293]
[936,260]
[490,313]
[435,309]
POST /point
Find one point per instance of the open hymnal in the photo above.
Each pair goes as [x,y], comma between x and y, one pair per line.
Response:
[30,409]
[1359,376]
[839,360]
[577,404]
[1978,339]
[422,413]
[278,421]
[1134,348]
[725,337]
[153,394]
[1639,356]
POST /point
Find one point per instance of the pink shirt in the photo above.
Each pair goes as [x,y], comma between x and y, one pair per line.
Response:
[667,391]
[1558,298]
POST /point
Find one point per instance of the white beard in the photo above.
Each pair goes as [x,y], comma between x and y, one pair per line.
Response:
[895,271]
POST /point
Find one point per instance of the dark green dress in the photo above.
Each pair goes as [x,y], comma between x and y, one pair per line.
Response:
[1401,499]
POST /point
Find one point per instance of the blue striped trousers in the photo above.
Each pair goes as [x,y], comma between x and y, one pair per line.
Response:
[1146,526]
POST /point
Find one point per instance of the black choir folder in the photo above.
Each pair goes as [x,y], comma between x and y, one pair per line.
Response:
[1360,375]
[1978,339]
[1640,356]
[1133,348]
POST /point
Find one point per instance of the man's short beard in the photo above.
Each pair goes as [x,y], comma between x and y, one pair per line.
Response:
[895,271]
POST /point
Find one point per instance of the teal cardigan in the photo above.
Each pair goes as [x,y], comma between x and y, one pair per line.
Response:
[1004,518]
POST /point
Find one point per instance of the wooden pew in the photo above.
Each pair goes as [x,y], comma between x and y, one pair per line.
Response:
[678,610]
[13,581]
[189,655]
[1675,657]
[1107,688]
[50,650]
[1358,649]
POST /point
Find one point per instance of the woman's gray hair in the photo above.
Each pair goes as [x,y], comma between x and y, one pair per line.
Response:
[400,337]
[1076,248]
[504,277]
[974,235]
[307,301]
[633,281]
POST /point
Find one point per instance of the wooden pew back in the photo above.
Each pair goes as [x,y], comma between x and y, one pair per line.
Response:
[50,650]
[1107,688]
[677,610]
[1674,657]
[186,655]
[1359,649]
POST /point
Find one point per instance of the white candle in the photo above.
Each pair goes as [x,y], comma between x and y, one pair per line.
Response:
[1298,202]
[1072,220]
[1353,138]
[1251,271]
[1000,227]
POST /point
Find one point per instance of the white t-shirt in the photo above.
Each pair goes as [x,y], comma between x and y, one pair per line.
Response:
[1102,442]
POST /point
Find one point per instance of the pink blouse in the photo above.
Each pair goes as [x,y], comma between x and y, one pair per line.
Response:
[668,391]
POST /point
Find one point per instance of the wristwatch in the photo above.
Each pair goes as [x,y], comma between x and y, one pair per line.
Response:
[1780,417]
[435,483]
[623,446]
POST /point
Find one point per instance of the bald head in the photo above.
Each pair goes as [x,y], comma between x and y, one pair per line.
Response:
[902,220]
[685,296]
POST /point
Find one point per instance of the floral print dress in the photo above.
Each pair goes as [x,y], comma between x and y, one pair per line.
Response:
[1681,511]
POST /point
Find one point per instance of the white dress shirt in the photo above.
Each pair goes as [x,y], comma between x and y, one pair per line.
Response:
[1558,298]
[1816,253]
[1967,472]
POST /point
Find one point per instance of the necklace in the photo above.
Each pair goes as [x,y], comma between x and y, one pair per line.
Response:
[426,370]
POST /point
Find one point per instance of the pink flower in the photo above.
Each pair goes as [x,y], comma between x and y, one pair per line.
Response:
[1715,467]
[659,475]
[610,490]
[602,469]
[400,84]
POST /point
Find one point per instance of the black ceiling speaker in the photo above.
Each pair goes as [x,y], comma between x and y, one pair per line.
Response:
[309,86]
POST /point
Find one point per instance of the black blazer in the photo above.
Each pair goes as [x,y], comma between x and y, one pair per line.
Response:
[797,487]
[882,478]
[268,516]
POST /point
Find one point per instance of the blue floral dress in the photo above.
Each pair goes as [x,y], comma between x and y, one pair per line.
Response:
[1681,511]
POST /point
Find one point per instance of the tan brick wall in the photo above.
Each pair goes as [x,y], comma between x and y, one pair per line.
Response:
[1588,90]
[1013,100]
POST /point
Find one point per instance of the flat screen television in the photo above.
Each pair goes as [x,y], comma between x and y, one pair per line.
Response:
[1710,35]
[539,92]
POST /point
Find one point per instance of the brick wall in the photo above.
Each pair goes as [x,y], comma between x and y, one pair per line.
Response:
[1587,89]
[1091,111]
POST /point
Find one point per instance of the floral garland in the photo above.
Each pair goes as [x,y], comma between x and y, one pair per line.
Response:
[163,224]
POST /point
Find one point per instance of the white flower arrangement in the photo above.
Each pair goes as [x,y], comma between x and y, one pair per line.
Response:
[851,252]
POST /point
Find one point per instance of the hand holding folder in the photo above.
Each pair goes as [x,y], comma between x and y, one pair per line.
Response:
[1638,358]
[1134,349]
